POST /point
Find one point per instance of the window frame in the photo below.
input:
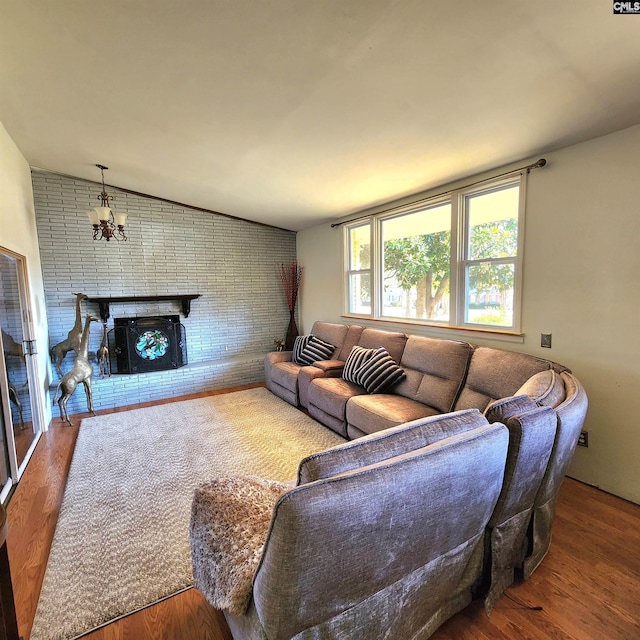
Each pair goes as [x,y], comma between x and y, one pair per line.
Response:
[349,272]
[458,287]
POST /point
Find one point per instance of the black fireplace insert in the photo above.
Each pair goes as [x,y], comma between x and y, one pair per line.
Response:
[154,343]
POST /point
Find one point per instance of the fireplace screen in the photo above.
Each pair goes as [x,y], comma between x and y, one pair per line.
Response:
[156,343]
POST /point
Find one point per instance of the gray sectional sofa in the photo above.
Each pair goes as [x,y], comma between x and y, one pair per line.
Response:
[446,490]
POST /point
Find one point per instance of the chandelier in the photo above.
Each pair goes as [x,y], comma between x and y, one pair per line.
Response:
[106,224]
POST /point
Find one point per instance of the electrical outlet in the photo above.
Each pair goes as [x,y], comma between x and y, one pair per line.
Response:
[583,439]
[545,340]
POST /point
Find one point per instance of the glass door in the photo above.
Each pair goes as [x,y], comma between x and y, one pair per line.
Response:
[21,410]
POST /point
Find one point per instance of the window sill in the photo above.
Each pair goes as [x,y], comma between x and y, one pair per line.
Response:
[461,333]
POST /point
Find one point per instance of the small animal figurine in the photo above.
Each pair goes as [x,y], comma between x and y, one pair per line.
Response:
[80,373]
[72,341]
[103,354]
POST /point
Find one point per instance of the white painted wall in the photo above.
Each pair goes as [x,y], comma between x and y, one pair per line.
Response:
[581,283]
[18,233]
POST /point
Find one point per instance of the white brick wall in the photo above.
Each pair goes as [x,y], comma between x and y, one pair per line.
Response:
[171,249]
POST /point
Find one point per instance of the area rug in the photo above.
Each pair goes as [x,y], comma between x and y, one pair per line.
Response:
[122,538]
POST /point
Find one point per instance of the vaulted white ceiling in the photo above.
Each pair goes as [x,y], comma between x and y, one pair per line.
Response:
[293,112]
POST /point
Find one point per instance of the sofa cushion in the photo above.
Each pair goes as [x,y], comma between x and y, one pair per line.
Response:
[330,396]
[494,374]
[371,413]
[545,388]
[351,339]
[435,371]
[387,444]
[392,341]
[313,349]
[331,332]
[305,376]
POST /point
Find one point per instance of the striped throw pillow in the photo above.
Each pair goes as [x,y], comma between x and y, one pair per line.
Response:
[380,372]
[314,349]
[357,357]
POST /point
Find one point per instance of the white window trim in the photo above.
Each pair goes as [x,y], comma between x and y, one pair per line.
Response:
[349,272]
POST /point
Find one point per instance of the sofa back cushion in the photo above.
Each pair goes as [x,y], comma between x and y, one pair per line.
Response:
[331,332]
[494,374]
[351,339]
[435,371]
[386,444]
[392,341]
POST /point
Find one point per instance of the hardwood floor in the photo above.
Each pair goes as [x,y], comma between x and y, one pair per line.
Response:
[588,586]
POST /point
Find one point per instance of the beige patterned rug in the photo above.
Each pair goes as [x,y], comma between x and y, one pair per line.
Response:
[122,538]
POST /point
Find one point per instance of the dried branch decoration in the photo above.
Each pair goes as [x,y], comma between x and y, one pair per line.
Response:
[290,276]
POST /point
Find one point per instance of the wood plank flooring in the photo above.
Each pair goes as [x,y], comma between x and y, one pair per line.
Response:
[588,586]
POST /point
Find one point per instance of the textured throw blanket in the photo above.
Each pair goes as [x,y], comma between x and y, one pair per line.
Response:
[230,519]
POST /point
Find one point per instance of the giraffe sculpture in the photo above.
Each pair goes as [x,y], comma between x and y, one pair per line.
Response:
[10,346]
[13,348]
[81,372]
[72,341]
[15,398]
[103,354]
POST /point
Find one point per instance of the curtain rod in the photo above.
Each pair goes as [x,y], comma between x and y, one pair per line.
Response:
[529,167]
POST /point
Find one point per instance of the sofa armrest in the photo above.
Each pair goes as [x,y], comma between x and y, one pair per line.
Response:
[230,519]
[331,368]
[504,408]
[273,357]
[531,437]
[571,414]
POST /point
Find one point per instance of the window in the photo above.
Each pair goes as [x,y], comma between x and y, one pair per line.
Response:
[452,261]
[359,272]
[416,264]
[490,256]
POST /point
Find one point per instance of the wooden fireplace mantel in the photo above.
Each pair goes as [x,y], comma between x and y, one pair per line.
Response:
[104,303]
